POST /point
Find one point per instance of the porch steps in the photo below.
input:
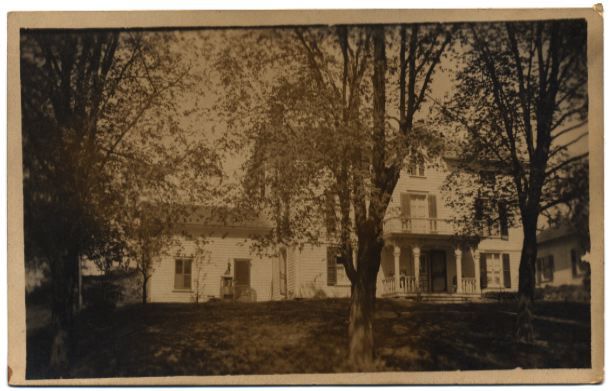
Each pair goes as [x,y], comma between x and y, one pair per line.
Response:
[436,298]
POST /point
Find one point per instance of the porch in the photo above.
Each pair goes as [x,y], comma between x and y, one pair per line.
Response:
[430,272]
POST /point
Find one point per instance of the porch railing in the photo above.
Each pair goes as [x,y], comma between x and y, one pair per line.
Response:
[407,285]
[419,225]
[469,285]
[389,285]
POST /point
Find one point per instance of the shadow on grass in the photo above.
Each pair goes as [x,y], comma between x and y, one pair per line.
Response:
[310,336]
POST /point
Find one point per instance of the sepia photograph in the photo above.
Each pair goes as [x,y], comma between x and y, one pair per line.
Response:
[299,193]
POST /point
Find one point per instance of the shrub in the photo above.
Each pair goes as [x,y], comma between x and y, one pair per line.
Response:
[574,293]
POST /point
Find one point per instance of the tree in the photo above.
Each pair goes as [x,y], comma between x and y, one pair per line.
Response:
[521,100]
[325,152]
[83,95]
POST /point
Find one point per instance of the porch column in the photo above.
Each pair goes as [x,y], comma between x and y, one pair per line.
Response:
[416,253]
[458,270]
[396,268]
[476,258]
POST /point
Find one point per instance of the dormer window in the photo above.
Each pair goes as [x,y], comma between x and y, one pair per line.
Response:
[417,169]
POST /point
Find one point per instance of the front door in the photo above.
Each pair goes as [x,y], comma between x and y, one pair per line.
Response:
[242,280]
[438,271]
[424,273]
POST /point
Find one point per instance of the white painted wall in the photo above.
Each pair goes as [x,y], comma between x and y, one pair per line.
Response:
[222,251]
[311,280]
[562,265]
[307,267]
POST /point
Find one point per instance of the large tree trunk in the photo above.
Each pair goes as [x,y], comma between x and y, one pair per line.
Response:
[363,294]
[63,275]
[524,329]
[145,279]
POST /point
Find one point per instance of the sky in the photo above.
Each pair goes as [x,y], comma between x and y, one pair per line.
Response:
[198,48]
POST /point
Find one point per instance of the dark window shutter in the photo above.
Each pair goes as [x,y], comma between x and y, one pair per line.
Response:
[483,268]
[506,268]
[405,205]
[187,274]
[504,220]
[574,262]
[432,206]
[331,260]
[538,270]
[330,212]
[432,212]
[478,209]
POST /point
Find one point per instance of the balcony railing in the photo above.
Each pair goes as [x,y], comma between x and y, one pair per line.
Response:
[418,225]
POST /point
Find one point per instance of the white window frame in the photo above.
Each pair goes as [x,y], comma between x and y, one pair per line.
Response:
[183,274]
[490,257]
[417,170]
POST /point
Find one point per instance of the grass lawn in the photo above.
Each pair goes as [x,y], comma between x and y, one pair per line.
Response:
[311,336]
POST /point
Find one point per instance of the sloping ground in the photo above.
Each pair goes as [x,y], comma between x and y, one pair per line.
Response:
[311,336]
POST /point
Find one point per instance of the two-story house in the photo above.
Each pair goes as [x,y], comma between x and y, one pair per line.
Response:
[420,256]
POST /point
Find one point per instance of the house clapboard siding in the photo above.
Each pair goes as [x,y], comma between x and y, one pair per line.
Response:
[222,251]
[417,224]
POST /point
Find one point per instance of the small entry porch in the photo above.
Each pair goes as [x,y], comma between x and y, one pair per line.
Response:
[431,271]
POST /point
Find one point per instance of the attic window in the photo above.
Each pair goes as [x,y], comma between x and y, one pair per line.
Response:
[417,169]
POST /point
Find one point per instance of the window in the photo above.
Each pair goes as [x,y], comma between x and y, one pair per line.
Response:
[494,270]
[341,274]
[331,255]
[330,213]
[578,266]
[418,212]
[493,217]
[183,274]
[417,169]
[503,215]
[544,269]
[336,270]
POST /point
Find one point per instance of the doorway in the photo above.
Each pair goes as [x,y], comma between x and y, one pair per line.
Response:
[242,280]
[438,271]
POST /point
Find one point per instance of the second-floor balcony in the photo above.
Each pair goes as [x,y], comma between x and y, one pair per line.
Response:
[418,225]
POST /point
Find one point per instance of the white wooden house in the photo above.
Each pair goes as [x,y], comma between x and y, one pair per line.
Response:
[560,257]
[420,257]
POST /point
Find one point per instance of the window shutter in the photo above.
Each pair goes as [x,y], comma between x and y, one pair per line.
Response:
[187,274]
[330,213]
[478,209]
[504,220]
[538,270]
[550,268]
[405,205]
[483,268]
[331,260]
[506,268]
[432,206]
[574,263]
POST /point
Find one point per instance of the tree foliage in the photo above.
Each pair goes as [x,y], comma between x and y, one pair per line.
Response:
[521,104]
[101,123]
[330,119]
